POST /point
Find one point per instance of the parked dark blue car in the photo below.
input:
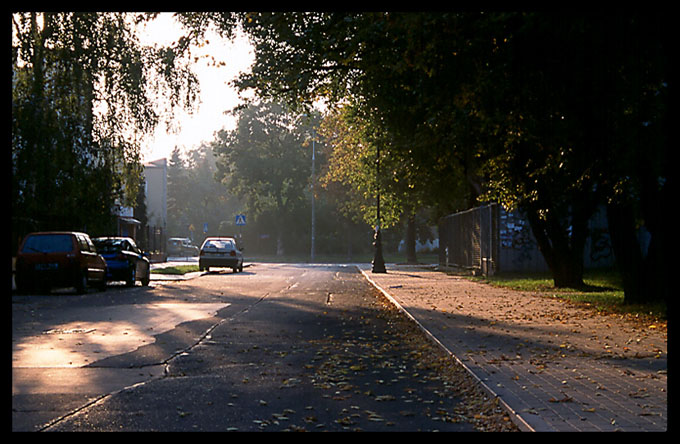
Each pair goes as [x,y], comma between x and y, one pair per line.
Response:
[124,261]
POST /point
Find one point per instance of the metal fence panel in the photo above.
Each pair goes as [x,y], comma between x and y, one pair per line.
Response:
[488,239]
[469,239]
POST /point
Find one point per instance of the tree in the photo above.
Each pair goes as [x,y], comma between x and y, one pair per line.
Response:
[365,59]
[196,198]
[83,94]
[479,97]
[529,96]
[265,163]
[351,174]
[632,72]
[580,106]
[527,108]
[178,192]
[210,201]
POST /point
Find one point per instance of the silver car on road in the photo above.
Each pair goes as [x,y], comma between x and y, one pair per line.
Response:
[220,252]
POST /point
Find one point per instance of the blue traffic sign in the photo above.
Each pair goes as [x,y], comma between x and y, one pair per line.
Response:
[240,219]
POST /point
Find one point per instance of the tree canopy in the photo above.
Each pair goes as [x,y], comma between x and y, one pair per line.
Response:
[84,93]
[552,114]
[266,162]
[548,113]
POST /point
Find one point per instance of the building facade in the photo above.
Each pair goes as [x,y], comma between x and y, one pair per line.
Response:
[156,191]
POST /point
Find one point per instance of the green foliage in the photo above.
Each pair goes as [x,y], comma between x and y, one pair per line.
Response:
[602,290]
[264,160]
[178,269]
[396,69]
[549,113]
[195,198]
[351,174]
[266,163]
[83,93]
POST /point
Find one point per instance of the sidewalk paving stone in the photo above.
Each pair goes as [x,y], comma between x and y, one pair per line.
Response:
[555,365]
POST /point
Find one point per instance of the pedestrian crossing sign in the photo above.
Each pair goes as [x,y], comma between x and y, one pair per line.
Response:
[240,219]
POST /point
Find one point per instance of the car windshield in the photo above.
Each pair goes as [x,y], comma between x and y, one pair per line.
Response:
[109,245]
[48,243]
[218,244]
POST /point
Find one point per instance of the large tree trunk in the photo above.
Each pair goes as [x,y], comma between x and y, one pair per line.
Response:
[626,250]
[645,277]
[562,252]
[410,242]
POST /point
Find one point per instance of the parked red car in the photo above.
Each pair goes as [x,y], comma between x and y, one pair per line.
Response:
[59,259]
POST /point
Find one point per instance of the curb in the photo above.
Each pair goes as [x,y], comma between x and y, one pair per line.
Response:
[516,417]
[175,277]
[181,277]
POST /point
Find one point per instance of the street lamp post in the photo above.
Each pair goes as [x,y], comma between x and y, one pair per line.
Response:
[312,249]
[378,261]
[313,213]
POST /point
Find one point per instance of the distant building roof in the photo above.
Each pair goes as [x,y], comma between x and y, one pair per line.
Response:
[159,163]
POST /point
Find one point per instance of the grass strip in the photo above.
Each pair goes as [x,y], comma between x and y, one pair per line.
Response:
[603,291]
[177,269]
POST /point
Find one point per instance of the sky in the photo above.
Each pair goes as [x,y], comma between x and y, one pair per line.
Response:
[216,95]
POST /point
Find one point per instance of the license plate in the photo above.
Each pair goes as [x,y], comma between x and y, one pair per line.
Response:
[46,266]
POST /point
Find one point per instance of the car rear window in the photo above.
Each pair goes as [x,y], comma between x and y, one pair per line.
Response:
[48,243]
[109,245]
[218,245]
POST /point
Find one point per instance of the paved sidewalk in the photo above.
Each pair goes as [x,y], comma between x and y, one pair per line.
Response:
[555,366]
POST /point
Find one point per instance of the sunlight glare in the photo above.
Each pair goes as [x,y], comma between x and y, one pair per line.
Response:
[218,62]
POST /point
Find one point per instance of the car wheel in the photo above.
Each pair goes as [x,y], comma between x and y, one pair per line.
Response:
[147,278]
[23,286]
[81,284]
[130,282]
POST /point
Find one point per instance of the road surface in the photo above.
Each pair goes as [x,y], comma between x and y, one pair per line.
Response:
[276,347]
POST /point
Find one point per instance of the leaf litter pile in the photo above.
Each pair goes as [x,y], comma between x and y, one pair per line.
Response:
[411,378]
[369,368]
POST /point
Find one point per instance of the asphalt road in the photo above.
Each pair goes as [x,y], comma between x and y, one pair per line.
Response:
[276,347]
